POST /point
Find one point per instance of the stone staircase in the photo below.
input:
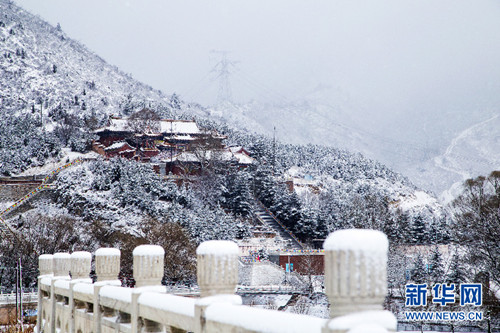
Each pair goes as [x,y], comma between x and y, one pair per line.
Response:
[267,218]
[6,230]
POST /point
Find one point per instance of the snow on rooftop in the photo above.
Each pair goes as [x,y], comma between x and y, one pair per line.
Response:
[81,255]
[183,137]
[186,157]
[116,145]
[217,247]
[235,149]
[357,239]
[107,251]
[166,126]
[179,126]
[243,158]
[148,250]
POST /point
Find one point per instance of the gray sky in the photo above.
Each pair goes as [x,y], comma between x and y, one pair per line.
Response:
[414,71]
[386,53]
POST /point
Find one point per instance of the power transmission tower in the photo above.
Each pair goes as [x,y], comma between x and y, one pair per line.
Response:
[274,149]
[223,70]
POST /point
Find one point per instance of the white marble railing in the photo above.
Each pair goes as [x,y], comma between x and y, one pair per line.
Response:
[355,281]
[27,297]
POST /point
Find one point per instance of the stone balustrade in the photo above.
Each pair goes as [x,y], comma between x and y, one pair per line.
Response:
[355,280]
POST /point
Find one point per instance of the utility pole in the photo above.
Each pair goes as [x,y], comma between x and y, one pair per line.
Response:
[21,293]
[223,70]
[41,116]
[17,283]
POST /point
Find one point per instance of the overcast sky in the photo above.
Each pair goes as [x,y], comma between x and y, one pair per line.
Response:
[392,56]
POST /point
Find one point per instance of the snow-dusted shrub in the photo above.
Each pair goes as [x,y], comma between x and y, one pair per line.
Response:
[123,193]
[24,144]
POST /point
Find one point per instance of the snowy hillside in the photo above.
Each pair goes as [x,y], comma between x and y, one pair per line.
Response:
[452,151]
[299,122]
[42,69]
[474,151]
[44,72]
[54,92]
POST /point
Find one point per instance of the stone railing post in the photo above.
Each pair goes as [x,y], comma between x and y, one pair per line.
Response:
[46,267]
[107,264]
[217,274]
[148,265]
[107,268]
[356,279]
[46,264]
[62,265]
[81,263]
[148,273]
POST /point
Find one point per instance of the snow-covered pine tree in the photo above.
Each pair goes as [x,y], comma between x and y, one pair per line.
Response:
[436,269]
[419,234]
[264,186]
[419,271]
[457,273]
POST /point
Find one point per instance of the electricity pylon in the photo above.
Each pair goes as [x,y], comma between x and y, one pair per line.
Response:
[223,70]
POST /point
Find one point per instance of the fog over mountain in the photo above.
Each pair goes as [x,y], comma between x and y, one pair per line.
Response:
[414,84]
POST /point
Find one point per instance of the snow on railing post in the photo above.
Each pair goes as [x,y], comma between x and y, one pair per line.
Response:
[46,264]
[148,265]
[46,268]
[62,265]
[217,273]
[148,273]
[107,264]
[107,268]
[81,264]
[356,280]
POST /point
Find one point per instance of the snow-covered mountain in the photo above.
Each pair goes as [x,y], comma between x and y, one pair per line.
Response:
[43,71]
[41,68]
[435,159]
[474,151]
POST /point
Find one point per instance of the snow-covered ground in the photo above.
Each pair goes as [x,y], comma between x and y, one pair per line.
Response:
[67,157]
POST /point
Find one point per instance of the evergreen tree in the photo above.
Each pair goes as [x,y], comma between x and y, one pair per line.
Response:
[419,271]
[401,233]
[419,233]
[436,271]
[457,273]
[237,194]
[287,209]
[264,186]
